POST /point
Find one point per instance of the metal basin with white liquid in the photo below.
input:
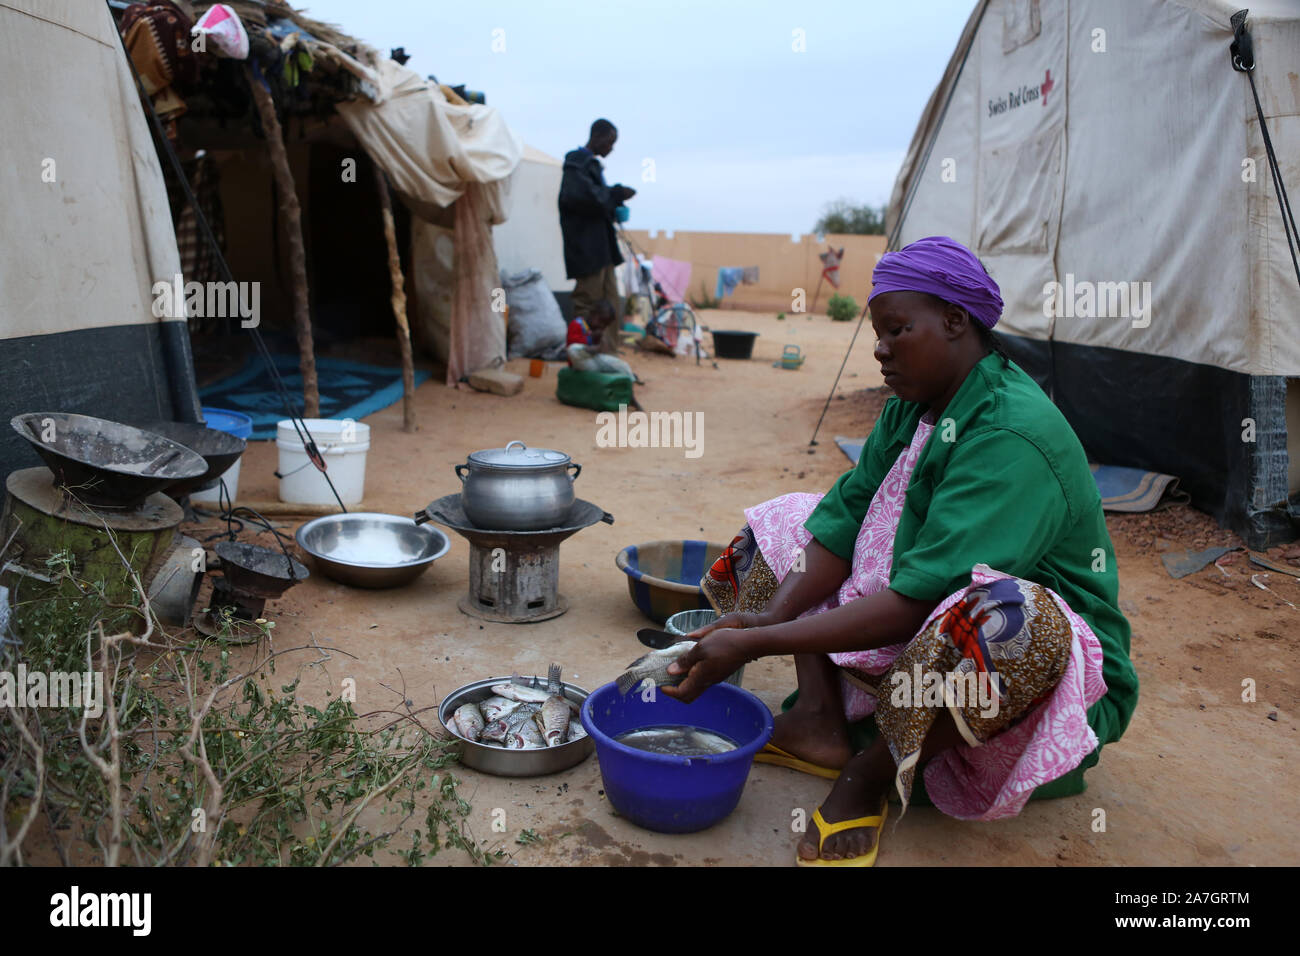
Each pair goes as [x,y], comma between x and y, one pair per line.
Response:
[372,550]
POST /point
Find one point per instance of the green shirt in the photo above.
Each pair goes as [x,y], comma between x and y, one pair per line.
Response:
[1002,481]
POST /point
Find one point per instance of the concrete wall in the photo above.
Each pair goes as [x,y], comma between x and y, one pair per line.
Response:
[785,263]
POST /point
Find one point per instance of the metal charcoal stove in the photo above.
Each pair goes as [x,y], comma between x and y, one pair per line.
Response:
[514,576]
[250,576]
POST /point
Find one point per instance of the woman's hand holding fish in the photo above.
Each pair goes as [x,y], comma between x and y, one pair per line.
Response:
[709,662]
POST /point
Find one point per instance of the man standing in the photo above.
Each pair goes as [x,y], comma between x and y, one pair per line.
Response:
[587,222]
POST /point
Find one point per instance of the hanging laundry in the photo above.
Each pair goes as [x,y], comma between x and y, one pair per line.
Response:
[673,276]
[728,278]
[831,265]
[198,260]
[751,275]
[157,36]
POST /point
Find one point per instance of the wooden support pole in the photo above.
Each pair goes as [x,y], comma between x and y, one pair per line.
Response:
[399,303]
[292,213]
[817,294]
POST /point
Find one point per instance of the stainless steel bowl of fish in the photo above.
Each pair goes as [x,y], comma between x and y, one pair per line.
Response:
[518,726]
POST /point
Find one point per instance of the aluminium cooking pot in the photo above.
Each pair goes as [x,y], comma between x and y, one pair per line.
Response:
[517,488]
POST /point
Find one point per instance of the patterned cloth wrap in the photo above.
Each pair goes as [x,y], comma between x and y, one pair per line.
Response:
[1046,659]
[157,36]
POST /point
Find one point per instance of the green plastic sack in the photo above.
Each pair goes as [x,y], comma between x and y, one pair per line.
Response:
[604,393]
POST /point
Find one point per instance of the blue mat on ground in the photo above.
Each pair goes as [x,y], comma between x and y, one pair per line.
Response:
[1121,489]
[347,390]
[1132,489]
[852,447]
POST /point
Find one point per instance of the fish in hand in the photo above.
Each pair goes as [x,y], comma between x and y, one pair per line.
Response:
[653,667]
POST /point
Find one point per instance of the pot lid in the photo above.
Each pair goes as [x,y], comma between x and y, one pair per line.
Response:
[518,455]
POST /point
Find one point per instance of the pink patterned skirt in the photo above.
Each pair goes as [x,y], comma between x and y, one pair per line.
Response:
[1008,659]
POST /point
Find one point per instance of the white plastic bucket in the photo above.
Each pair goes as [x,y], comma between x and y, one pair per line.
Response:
[342,443]
[239,425]
[231,477]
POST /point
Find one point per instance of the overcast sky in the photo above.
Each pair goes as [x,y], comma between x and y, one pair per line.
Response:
[746,133]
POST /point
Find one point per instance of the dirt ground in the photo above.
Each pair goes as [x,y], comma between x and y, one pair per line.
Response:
[1199,778]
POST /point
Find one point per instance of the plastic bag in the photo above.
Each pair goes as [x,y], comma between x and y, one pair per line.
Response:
[536,328]
[221,26]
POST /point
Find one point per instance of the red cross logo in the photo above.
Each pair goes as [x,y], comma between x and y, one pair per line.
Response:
[1046,86]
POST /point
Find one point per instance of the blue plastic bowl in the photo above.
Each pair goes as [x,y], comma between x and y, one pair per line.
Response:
[670,794]
[224,420]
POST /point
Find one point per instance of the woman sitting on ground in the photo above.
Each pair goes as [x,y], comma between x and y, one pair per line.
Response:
[958,586]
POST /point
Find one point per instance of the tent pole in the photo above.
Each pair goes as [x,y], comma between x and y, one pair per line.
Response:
[293,227]
[399,303]
[836,383]
[817,294]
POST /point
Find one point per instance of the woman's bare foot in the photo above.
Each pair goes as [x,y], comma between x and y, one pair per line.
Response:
[814,729]
[859,792]
[818,736]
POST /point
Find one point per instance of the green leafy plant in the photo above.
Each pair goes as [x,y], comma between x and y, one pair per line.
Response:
[705,301]
[842,308]
[199,760]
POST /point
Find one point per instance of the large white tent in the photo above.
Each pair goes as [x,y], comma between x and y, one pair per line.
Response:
[1107,164]
[87,230]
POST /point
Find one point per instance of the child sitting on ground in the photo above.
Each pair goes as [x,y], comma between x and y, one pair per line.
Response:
[598,328]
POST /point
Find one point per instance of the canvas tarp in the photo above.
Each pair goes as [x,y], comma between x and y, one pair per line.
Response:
[1106,152]
[430,147]
[1059,161]
[88,229]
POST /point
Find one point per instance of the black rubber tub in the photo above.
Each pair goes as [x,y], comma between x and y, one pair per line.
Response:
[732,344]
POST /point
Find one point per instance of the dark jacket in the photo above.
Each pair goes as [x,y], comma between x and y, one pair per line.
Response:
[587,216]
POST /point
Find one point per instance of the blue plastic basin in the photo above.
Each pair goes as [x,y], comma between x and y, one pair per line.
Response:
[671,794]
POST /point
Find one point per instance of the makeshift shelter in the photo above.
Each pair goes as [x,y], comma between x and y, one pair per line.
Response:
[302,141]
[87,231]
[1106,162]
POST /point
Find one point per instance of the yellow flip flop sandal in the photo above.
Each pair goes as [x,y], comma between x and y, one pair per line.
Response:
[775,755]
[825,830]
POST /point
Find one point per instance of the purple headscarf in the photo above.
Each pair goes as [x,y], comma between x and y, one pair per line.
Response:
[942,267]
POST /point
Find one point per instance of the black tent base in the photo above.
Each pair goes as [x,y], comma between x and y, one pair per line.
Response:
[1222,433]
[121,372]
